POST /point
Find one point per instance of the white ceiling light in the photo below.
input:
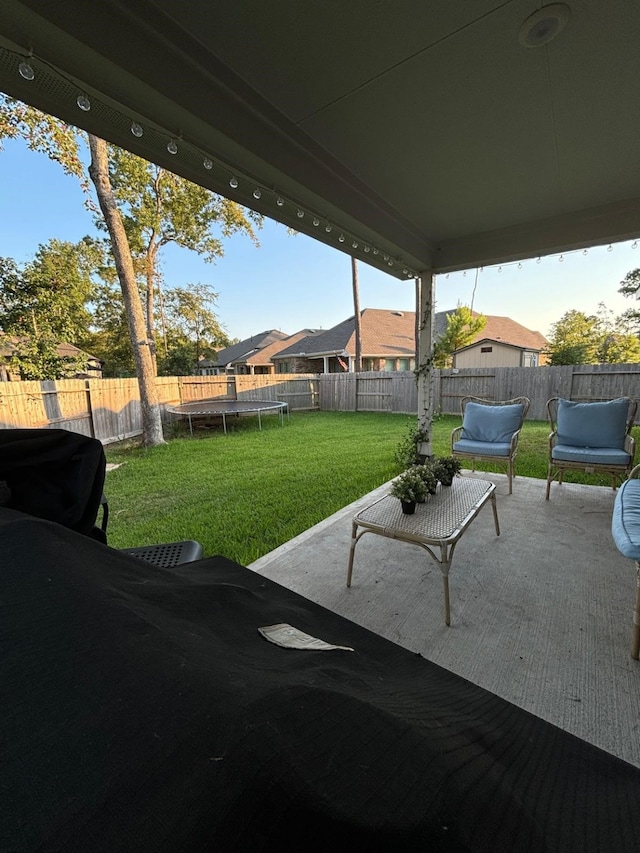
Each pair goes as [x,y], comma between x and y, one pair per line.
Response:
[544,25]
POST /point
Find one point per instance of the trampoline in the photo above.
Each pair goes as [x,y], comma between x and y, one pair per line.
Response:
[208,408]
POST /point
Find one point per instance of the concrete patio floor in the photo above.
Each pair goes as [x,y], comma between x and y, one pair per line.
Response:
[540,615]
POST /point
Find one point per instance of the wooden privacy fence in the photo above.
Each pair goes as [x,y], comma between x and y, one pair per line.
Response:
[109,409]
[397,392]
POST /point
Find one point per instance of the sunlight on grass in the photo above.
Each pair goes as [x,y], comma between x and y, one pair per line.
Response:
[244,494]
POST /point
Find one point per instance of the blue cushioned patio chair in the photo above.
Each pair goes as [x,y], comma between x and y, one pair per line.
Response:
[594,437]
[490,431]
[625,528]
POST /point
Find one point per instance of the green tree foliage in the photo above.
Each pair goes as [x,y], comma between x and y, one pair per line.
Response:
[155,208]
[159,208]
[462,327]
[630,287]
[574,339]
[43,134]
[578,338]
[108,338]
[45,304]
[191,329]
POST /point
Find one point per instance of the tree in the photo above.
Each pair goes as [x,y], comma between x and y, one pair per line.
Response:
[157,208]
[578,338]
[141,346]
[45,304]
[630,286]
[462,327]
[574,339]
[108,339]
[191,327]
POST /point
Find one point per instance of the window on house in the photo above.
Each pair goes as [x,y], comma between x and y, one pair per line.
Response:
[389,364]
[403,364]
[486,349]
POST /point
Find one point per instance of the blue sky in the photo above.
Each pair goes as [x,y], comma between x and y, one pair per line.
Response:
[294,282]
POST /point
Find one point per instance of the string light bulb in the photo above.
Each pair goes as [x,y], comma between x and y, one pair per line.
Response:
[22,62]
[25,70]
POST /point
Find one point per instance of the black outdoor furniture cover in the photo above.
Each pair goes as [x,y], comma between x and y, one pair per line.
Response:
[55,474]
[142,711]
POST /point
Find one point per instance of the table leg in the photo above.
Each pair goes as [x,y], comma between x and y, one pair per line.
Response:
[494,507]
[354,539]
[447,605]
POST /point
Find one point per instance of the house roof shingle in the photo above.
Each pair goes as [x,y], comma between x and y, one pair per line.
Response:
[384,332]
[244,350]
[507,331]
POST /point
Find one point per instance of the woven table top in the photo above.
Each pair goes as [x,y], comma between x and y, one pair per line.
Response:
[442,516]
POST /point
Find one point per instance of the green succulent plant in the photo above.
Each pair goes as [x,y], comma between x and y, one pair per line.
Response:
[410,486]
[445,468]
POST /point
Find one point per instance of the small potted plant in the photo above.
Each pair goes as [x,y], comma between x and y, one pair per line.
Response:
[429,476]
[445,468]
[409,487]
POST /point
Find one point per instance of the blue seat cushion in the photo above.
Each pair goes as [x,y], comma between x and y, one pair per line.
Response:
[482,448]
[593,424]
[625,524]
[491,423]
[590,455]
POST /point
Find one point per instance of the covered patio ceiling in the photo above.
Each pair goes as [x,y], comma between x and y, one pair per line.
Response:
[413,135]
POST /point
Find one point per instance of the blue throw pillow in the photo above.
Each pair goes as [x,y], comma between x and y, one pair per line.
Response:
[491,423]
[593,424]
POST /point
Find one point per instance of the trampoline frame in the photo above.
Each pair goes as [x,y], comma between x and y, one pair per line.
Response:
[202,408]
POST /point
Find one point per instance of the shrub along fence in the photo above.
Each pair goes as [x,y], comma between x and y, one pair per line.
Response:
[109,409]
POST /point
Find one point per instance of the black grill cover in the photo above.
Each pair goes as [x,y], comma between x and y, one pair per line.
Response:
[53,474]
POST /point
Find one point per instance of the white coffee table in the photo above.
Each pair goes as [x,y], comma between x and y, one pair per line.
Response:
[436,524]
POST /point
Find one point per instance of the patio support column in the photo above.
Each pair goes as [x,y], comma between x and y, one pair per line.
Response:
[425,293]
[325,359]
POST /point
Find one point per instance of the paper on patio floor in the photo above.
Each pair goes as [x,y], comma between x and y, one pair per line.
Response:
[291,638]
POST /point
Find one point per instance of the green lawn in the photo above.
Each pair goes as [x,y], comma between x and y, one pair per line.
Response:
[245,493]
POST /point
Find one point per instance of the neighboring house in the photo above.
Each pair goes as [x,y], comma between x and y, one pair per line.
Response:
[252,355]
[91,367]
[388,343]
[503,343]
